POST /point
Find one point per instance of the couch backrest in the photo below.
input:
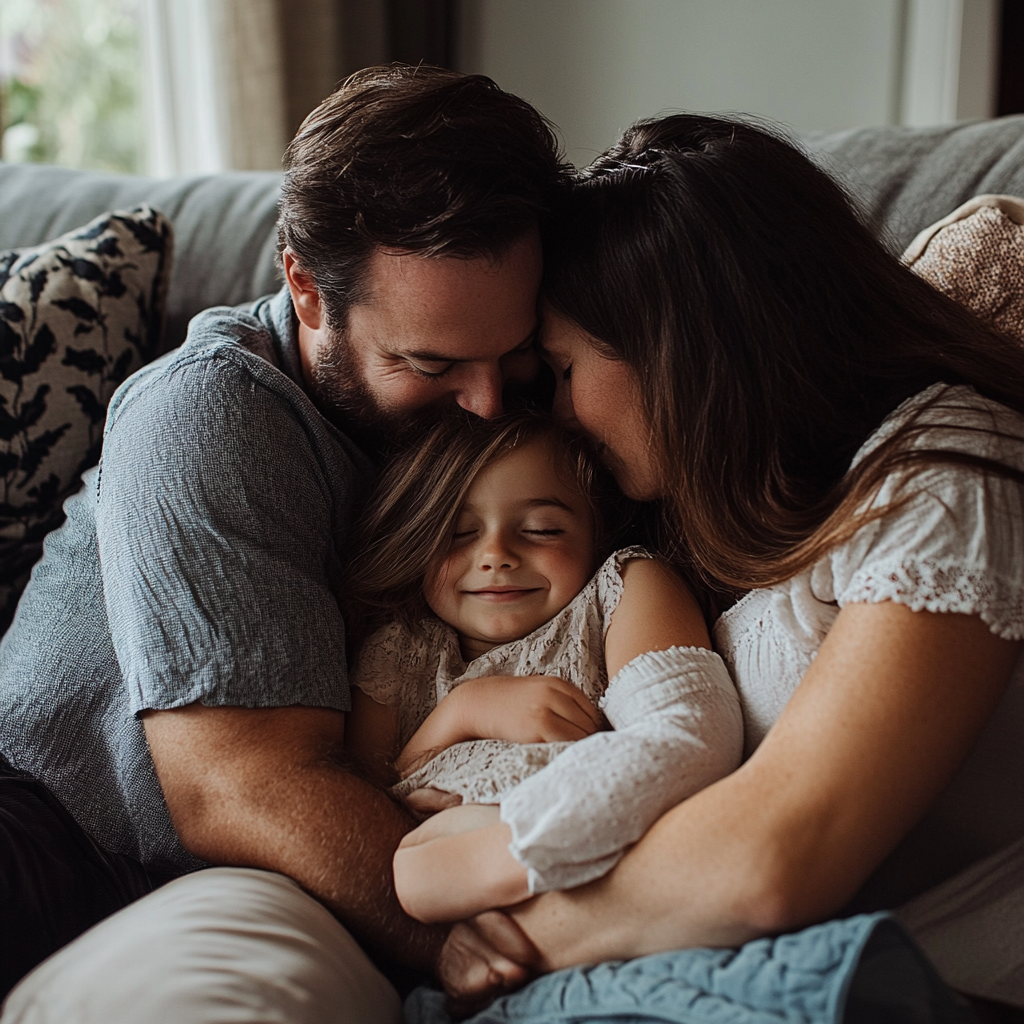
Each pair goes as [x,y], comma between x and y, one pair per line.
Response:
[905,179]
[908,178]
[224,226]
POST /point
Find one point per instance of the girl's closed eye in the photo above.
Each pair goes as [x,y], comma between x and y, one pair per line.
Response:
[463,532]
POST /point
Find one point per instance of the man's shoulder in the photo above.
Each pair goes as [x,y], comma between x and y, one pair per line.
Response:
[227,347]
[225,393]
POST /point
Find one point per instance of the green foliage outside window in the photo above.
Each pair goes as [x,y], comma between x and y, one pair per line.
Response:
[71,83]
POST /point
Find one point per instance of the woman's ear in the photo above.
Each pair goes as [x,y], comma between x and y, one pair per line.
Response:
[305,295]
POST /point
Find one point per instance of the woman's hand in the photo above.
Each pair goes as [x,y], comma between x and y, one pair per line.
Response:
[457,864]
[520,709]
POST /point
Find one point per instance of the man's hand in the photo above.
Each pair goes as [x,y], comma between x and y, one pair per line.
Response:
[520,709]
[267,788]
[485,957]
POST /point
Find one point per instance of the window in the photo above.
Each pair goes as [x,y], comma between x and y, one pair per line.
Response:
[71,83]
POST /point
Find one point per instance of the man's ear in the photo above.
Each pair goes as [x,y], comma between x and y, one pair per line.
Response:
[305,296]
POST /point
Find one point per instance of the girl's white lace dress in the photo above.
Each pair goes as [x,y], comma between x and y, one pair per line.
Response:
[573,807]
[957,546]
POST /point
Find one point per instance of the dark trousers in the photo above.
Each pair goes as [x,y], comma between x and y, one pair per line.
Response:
[55,882]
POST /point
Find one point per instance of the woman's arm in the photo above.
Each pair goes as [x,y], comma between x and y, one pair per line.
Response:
[878,726]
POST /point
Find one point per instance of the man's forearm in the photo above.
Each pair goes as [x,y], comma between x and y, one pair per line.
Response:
[335,834]
[265,788]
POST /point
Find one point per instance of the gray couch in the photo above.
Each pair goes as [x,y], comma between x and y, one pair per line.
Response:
[224,226]
[905,179]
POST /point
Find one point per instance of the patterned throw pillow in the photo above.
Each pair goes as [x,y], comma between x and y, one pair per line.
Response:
[77,316]
[976,256]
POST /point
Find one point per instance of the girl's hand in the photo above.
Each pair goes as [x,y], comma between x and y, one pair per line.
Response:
[428,800]
[450,868]
[452,821]
[525,709]
[520,709]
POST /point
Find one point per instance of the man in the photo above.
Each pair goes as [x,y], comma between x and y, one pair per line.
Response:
[175,675]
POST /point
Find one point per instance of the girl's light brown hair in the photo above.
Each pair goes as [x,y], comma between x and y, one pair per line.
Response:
[410,517]
[771,334]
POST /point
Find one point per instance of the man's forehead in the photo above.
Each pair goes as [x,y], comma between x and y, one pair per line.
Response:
[446,308]
[456,353]
[390,270]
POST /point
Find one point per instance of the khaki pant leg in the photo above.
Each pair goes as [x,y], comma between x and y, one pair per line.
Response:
[224,945]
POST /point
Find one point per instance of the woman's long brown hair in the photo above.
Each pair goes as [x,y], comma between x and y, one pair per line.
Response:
[771,334]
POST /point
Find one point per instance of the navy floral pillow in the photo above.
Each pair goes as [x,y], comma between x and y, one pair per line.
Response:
[77,316]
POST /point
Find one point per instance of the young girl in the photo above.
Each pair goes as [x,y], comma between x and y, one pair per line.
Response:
[492,705]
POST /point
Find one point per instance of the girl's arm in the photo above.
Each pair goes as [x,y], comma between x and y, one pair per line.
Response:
[678,728]
[520,709]
[877,728]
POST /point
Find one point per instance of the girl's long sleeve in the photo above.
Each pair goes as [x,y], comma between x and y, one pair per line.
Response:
[677,728]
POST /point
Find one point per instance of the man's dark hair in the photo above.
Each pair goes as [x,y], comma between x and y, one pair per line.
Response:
[416,159]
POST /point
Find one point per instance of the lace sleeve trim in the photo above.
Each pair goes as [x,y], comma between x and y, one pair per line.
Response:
[608,580]
[389,662]
[932,587]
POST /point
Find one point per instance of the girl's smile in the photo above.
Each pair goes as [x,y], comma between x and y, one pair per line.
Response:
[523,549]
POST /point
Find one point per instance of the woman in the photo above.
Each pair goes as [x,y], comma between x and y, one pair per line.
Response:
[827,433]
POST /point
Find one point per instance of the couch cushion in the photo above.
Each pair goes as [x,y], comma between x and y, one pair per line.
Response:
[976,256]
[907,178]
[224,226]
[77,316]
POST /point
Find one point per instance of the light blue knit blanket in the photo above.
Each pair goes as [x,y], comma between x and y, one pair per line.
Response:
[859,970]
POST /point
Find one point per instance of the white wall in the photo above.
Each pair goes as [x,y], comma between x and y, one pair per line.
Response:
[594,66]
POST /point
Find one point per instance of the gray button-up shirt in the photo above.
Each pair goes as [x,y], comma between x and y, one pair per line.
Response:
[196,564]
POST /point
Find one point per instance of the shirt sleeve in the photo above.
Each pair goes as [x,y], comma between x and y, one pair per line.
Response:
[215,525]
[677,728]
[398,668]
[954,540]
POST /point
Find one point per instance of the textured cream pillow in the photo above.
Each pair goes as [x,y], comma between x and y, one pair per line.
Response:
[976,256]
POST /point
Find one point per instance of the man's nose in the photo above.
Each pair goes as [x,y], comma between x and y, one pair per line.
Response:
[482,394]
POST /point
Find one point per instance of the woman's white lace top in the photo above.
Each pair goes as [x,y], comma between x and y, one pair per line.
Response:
[573,807]
[956,546]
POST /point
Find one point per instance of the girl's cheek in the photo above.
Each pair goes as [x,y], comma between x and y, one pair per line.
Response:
[436,583]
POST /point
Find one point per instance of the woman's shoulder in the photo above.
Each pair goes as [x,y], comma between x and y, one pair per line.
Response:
[949,536]
[954,417]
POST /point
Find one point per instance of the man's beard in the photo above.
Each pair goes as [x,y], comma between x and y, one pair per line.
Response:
[343,396]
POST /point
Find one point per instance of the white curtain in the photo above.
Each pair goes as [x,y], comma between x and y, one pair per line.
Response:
[215,87]
[951,56]
[227,82]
